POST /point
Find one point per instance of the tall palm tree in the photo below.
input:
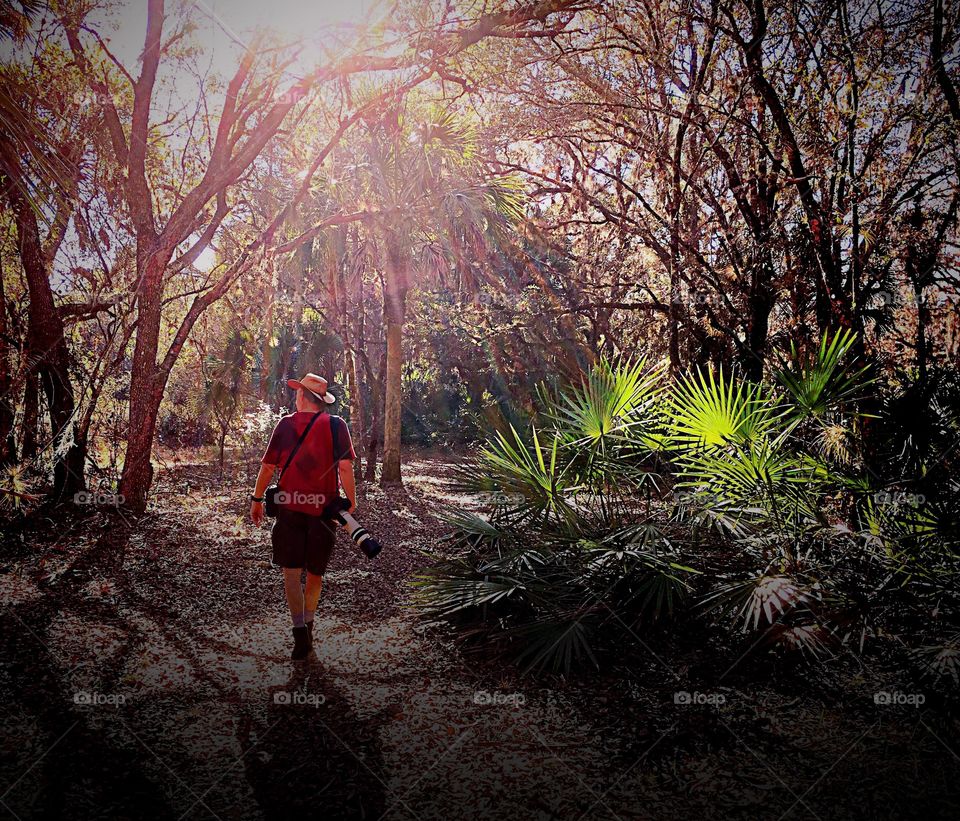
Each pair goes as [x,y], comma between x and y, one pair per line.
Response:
[437,216]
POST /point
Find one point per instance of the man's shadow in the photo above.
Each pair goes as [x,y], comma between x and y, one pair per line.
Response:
[314,754]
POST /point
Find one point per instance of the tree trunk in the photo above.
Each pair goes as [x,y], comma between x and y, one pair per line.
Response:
[76,459]
[147,382]
[222,444]
[923,317]
[137,475]
[47,347]
[673,327]
[393,409]
[373,442]
[8,448]
[919,263]
[359,422]
[395,287]
[31,418]
[373,449]
[760,305]
[356,408]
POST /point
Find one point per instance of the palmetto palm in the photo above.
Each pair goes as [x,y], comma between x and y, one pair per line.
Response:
[750,455]
[20,131]
[613,423]
[568,555]
[730,442]
[749,460]
[534,480]
[594,448]
[564,558]
[817,385]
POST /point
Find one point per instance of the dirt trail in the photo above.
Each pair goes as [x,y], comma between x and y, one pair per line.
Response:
[176,624]
[146,675]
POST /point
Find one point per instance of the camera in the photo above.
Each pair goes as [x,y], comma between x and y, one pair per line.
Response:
[336,511]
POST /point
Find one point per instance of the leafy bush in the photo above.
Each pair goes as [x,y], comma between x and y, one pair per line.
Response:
[569,554]
[598,511]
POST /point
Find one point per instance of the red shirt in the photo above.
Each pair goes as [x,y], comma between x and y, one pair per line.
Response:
[312,479]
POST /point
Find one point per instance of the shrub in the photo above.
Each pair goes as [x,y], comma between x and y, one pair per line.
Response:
[597,512]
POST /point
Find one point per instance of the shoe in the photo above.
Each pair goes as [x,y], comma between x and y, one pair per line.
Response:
[301,643]
[310,628]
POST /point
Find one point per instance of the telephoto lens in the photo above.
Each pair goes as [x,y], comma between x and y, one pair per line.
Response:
[359,534]
[337,511]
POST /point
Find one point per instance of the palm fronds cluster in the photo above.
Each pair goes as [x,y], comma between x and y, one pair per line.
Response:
[602,516]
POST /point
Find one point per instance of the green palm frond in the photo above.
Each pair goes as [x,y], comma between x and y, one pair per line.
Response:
[658,594]
[610,422]
[445,133]
[472,530]
[49,182]
[761,601]
[940,661]
[712,411]
[534,473]
[762,477]
[614,402]
[226,375]
[906,517]
[588,558]
[16,17]
[817,385]
[441,595]
[704,510]
[505,197]
[638,567]
[920,540]
[642,582]
[557,643]
[518,562]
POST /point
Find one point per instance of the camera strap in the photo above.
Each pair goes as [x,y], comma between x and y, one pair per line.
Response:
[296,447]
[333,450]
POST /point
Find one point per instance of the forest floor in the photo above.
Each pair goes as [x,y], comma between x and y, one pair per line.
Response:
[146,674]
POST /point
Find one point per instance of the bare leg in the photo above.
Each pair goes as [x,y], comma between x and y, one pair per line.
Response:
[294,591]
[311,594]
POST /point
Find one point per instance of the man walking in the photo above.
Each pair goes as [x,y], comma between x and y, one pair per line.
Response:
[301,539]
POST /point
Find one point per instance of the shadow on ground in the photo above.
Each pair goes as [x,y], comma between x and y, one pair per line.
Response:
[145,675]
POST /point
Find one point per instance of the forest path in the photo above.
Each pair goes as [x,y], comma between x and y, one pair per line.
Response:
[177,625]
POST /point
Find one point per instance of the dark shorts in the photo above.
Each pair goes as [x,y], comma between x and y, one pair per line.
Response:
[302,540]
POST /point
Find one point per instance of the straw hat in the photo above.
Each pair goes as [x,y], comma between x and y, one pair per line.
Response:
[314,384]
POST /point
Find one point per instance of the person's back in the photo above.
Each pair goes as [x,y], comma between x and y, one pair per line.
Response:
[311,480]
